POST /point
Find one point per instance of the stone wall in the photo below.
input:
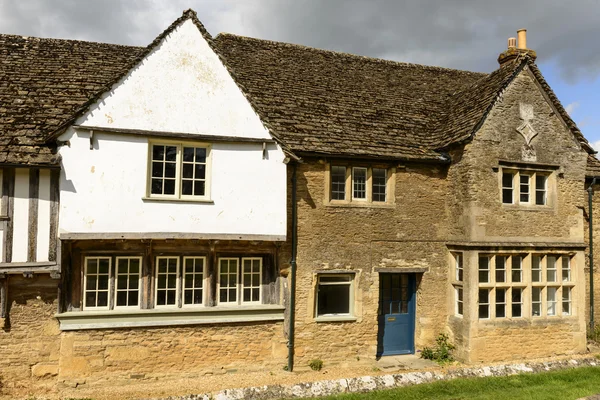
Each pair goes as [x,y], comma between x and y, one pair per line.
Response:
[38,356]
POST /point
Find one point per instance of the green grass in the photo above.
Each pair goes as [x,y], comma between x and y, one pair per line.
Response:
[559,385]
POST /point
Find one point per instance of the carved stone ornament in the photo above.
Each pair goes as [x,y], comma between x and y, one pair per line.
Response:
[525,129]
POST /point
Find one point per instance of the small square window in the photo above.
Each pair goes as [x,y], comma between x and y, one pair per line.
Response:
[334,295]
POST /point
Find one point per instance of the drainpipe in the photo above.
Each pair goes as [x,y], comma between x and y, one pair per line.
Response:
[290,365]
[590,191]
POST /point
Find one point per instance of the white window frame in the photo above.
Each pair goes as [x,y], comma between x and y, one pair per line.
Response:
[204,281]
[459,295]
[459,274]
[349,283]
[241,281]
[237,281]
[116,291]
[177,282]
[85,277]
[178,171]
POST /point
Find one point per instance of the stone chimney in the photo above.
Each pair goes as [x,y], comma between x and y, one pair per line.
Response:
[516,48]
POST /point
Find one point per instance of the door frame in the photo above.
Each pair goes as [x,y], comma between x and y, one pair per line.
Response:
[412,310]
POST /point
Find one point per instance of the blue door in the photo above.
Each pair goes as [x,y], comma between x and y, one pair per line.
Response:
[396,314]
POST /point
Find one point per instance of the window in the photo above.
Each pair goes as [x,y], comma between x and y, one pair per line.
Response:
[536,301]
[484,269]
[566,300]
[536,268]
[359,184]
[532,187]
[167,282]
[500,303]
[510,290]
[179,171]
[193,280]
[240,286]
[379,184]
[128,275]
[551,301]
[96,282]
[484,303]
[459,300]
[334,295]
[501,268]
[516,269]
[338,183]
[517,302]
[458,266]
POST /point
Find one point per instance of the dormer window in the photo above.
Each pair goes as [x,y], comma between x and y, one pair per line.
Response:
[179,171]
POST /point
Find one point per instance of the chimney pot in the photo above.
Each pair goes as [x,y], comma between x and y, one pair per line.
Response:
[522,35]
[512,43]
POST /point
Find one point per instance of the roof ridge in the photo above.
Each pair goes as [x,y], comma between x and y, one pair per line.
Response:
[37,38]
[351,55]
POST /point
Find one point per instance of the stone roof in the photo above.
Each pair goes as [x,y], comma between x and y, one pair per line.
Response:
[43,82]
[312,101]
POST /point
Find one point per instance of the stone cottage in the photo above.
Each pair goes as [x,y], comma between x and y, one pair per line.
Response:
[229,202]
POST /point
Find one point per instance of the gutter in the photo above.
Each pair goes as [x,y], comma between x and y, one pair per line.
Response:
[590,191]
[292,327]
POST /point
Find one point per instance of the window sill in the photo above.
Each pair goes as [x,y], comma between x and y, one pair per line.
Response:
[175,200]
[528,207]
[81,320]
[357,204]
[342,318]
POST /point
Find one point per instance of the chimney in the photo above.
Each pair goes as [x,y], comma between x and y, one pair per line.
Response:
[516,48]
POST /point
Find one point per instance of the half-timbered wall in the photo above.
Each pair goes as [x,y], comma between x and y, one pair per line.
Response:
[29,217]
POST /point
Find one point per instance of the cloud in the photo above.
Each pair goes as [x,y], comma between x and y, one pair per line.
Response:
[596,145]
[454,33]
[571,107]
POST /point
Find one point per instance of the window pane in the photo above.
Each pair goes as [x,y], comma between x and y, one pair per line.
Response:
[359,183]
[170,153]
[200,171]
[551,269]
[188,171]
[536,301]
[198,188]
[169,186]
[551,301]
[566,301]
[536,268]
[484,308]
[524,188]
[517,294]
[338,182]
[540,189]
[501,268]
[516,268]
[458,259]
[484,266]
[333,299]
[507,187]
[188,154]
[379,184]
[566,269]
[158,152]
[200,154]
[166,281]
[186,187]
[507,196]
[500,303]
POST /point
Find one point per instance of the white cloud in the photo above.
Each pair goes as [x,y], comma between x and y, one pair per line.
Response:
[596,145]
[572,107]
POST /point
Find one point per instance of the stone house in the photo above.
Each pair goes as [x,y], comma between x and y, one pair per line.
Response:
[207,203]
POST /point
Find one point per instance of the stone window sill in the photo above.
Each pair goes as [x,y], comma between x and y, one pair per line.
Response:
[176,200]
[83,320]
[523,207]
[342,318]
[357,204]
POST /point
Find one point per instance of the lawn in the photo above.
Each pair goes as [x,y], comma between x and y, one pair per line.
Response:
[560,385]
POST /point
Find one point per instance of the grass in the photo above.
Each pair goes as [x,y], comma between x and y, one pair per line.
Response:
[560,385]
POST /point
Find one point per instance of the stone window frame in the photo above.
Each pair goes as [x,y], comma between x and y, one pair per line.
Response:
[526,286]
[349,199]
[517,170]
[178,196]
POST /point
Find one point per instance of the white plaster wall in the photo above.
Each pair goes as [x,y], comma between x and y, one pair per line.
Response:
[181,86]
[20,216]
[43,227]
[102,190]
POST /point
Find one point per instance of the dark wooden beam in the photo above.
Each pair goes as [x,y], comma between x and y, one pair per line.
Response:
[8,196]
[53,249]
[32,229]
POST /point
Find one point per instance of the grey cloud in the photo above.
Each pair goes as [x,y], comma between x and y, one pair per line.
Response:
[454,33]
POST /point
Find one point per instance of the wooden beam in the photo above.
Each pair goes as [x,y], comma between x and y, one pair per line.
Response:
[167,235]
[54,247]
[4,297]
[178,135]
[32,230]
[8,196]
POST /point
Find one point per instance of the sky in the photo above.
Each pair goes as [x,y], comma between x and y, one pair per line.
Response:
[463,34]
